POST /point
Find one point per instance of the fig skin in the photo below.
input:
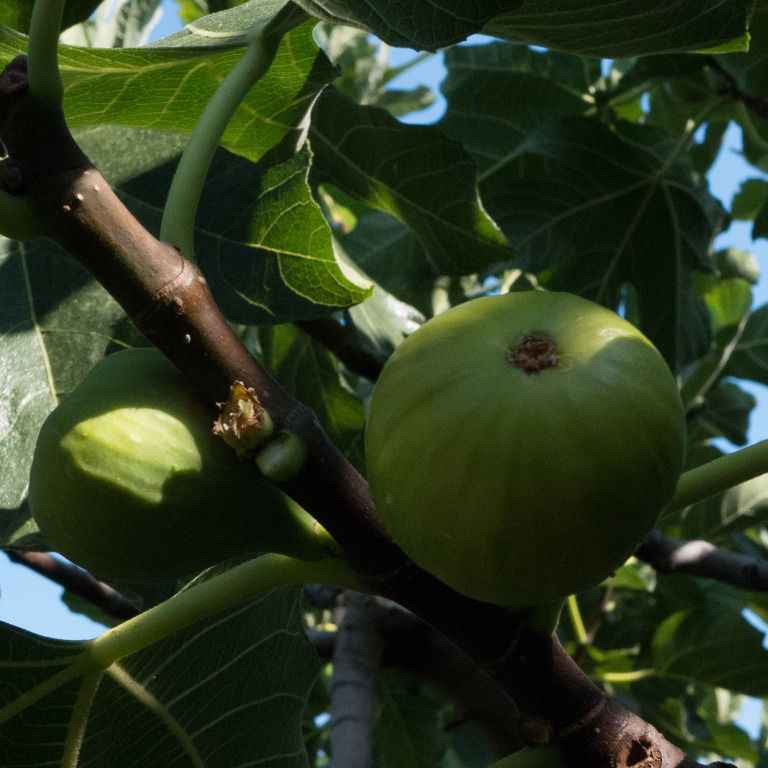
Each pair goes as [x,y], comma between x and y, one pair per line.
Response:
[518,482]
[129,481]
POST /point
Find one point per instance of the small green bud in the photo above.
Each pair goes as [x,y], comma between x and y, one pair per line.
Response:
[282,457]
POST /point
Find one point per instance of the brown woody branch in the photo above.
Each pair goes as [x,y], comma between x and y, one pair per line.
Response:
[335,337]
[356,659]
[413,646]
[701,558]
[77,581]
[168,299]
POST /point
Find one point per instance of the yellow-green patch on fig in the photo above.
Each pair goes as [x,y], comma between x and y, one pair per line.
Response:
[519,447]
[129,481]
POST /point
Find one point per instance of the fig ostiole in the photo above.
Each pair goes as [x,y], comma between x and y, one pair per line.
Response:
[519,447]
[129,481]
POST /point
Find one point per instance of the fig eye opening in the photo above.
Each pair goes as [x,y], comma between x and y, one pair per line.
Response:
[533,353]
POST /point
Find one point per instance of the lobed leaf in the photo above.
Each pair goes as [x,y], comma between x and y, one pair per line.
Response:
[608,29]
[712,643]
[207,695]
[421,24]
[411,172]
[627,27]
[590,205]
[265,247]
[750,357]
[166,88]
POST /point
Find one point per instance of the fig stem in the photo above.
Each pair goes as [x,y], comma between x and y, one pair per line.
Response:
[42,53]
[239,584]
[177,226]
[628,677]
[543,619]
[577,622]
[719,475]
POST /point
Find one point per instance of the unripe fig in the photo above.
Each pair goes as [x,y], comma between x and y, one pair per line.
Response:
[520,447]
[129,481]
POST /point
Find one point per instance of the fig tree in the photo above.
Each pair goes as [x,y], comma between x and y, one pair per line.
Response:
[520,447]
[129,481]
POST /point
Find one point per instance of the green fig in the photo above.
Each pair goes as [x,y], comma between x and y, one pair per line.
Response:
[520,447]
[129,481]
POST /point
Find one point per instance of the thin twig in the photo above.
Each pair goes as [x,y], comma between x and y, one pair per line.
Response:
[77,581]
[701,558]
[335,337]
[356,655]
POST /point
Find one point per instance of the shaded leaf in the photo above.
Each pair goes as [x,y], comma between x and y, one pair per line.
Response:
[712,643]
[421,24]
[19,531]
[760,228]
[410,723]
[588,205]
[728,302]
[750,68]
[18,13]
[750,199]
[724,413]
[393,258]
[310,373]
[111,148]
[627,27]
[498,93]
[55,322]
[591,207]
[261,240]
[750,358]
[731,741]
[208,695]
[381,322]
[412,172]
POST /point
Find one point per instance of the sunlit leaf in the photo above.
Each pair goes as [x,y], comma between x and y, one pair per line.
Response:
[167,88]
